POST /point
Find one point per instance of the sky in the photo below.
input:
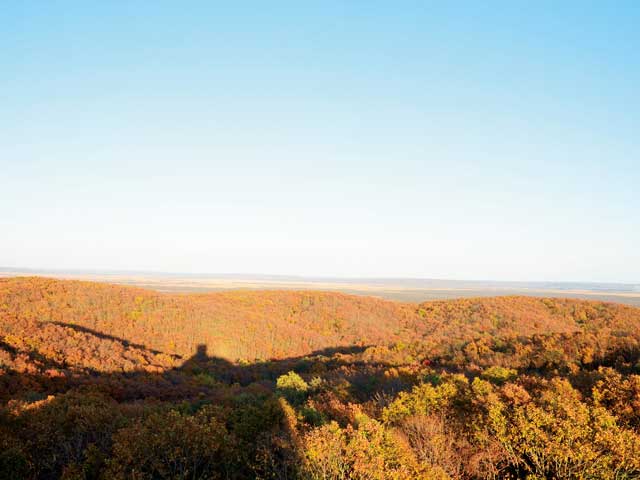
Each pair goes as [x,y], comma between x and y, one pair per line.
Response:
[458,140]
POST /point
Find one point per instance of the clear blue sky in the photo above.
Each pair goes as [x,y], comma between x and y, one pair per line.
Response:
[413,139]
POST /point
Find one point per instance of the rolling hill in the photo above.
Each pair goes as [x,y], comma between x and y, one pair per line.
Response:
[278,324]
[275,375]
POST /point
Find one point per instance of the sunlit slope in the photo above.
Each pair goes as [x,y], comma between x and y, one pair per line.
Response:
[233,325]
[253,325]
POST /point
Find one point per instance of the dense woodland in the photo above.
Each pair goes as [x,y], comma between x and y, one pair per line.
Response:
[100,381]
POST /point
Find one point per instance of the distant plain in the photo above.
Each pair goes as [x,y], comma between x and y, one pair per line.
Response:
[404,290]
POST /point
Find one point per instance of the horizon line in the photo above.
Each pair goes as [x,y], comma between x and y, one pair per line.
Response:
[312,278]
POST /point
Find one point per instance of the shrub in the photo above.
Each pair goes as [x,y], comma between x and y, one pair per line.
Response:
[292,386]
[369,451]
[499,375]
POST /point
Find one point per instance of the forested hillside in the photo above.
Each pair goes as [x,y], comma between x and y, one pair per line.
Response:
[103,381]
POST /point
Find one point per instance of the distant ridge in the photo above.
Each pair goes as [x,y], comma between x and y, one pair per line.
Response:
[402,289]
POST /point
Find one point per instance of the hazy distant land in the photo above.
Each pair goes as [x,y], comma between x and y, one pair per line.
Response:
[408,290]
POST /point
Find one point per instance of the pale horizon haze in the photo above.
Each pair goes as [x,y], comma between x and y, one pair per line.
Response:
[343,139]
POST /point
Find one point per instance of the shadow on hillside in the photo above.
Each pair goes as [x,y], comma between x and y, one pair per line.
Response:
[104,336]
[29,375]
[64,414]
[60,417]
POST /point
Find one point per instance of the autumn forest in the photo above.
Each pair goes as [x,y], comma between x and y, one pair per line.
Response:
[99,381]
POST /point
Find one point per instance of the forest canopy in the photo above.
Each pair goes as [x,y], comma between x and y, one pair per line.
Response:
[104,381]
